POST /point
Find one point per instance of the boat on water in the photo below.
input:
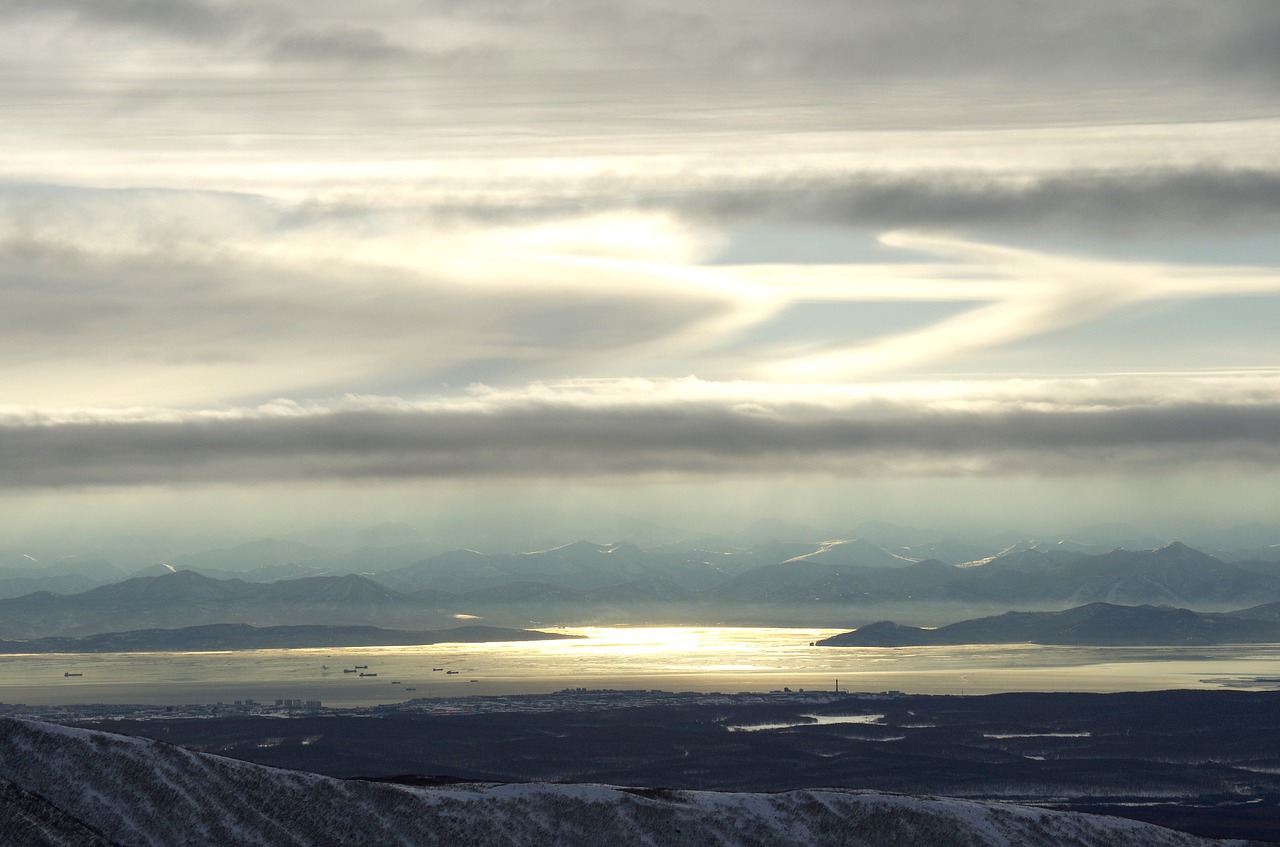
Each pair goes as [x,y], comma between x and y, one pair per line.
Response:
[437,669]
[450,672]
[348,670]
[69,673]
[362,667]
[368,674]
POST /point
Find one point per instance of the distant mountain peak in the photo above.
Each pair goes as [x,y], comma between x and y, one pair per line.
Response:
[573,547]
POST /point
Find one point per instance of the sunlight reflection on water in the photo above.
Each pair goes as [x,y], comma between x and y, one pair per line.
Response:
[726,659]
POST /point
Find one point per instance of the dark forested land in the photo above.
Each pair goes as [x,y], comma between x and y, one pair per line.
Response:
[1204,761]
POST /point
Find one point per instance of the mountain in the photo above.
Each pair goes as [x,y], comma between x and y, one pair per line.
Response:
[231,636]
[1096,624]
[1109,536]
[778,583]
[1258,559]
[383,547]
[733,561]
[64,584]
[581,566]
[98,569]
[1265,612]
[371,559]
[1173,574]
[1238,537]
[64,576]
[250,556]
[266,573]
[1027,558]
[185,598]
[948,550]
[887,534]
[74,786]
[32,821]
[844,574]
[771,529]
[802,582]
[857,552]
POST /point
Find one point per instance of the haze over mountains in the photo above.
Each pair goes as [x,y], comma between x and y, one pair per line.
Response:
[791,579]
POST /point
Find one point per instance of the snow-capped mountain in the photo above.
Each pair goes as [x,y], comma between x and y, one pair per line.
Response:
[63,786]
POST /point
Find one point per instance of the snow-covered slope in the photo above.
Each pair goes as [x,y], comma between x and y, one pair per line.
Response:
[69,786]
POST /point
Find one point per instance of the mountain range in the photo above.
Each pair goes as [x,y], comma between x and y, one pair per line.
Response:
[185,598]
[64,786]
[776,583]
[1096,624]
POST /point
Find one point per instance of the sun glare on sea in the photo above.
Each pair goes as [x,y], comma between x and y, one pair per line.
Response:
[633,641]
[690,641]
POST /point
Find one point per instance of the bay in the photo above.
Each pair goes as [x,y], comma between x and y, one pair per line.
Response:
[704,659]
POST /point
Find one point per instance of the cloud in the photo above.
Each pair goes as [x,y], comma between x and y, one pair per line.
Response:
[210,203]
[186,19]
[414,76]
[201,298]
[1104,204]
[338,44]
[1205,199]
[183,297]
[648,430]
[1043,293]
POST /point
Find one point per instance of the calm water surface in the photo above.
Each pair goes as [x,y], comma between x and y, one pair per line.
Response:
[728,659]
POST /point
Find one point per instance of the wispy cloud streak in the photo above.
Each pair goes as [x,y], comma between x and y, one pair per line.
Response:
[1042,293]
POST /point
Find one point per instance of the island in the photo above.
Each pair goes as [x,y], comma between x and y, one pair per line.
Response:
[1092,625]
[222,637]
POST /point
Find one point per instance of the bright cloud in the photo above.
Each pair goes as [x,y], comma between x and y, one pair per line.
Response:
[557,241]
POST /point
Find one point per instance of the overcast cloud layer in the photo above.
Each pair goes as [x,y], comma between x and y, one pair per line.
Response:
[600,433]
[560,241]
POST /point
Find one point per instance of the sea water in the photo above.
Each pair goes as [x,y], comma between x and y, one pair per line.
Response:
[705,659]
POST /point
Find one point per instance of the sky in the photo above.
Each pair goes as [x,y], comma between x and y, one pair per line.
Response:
[975,265]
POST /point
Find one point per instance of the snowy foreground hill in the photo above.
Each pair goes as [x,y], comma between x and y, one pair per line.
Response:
[62,786]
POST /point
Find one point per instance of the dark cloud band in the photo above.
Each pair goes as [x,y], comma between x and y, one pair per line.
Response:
[1205,199]
[568,441]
